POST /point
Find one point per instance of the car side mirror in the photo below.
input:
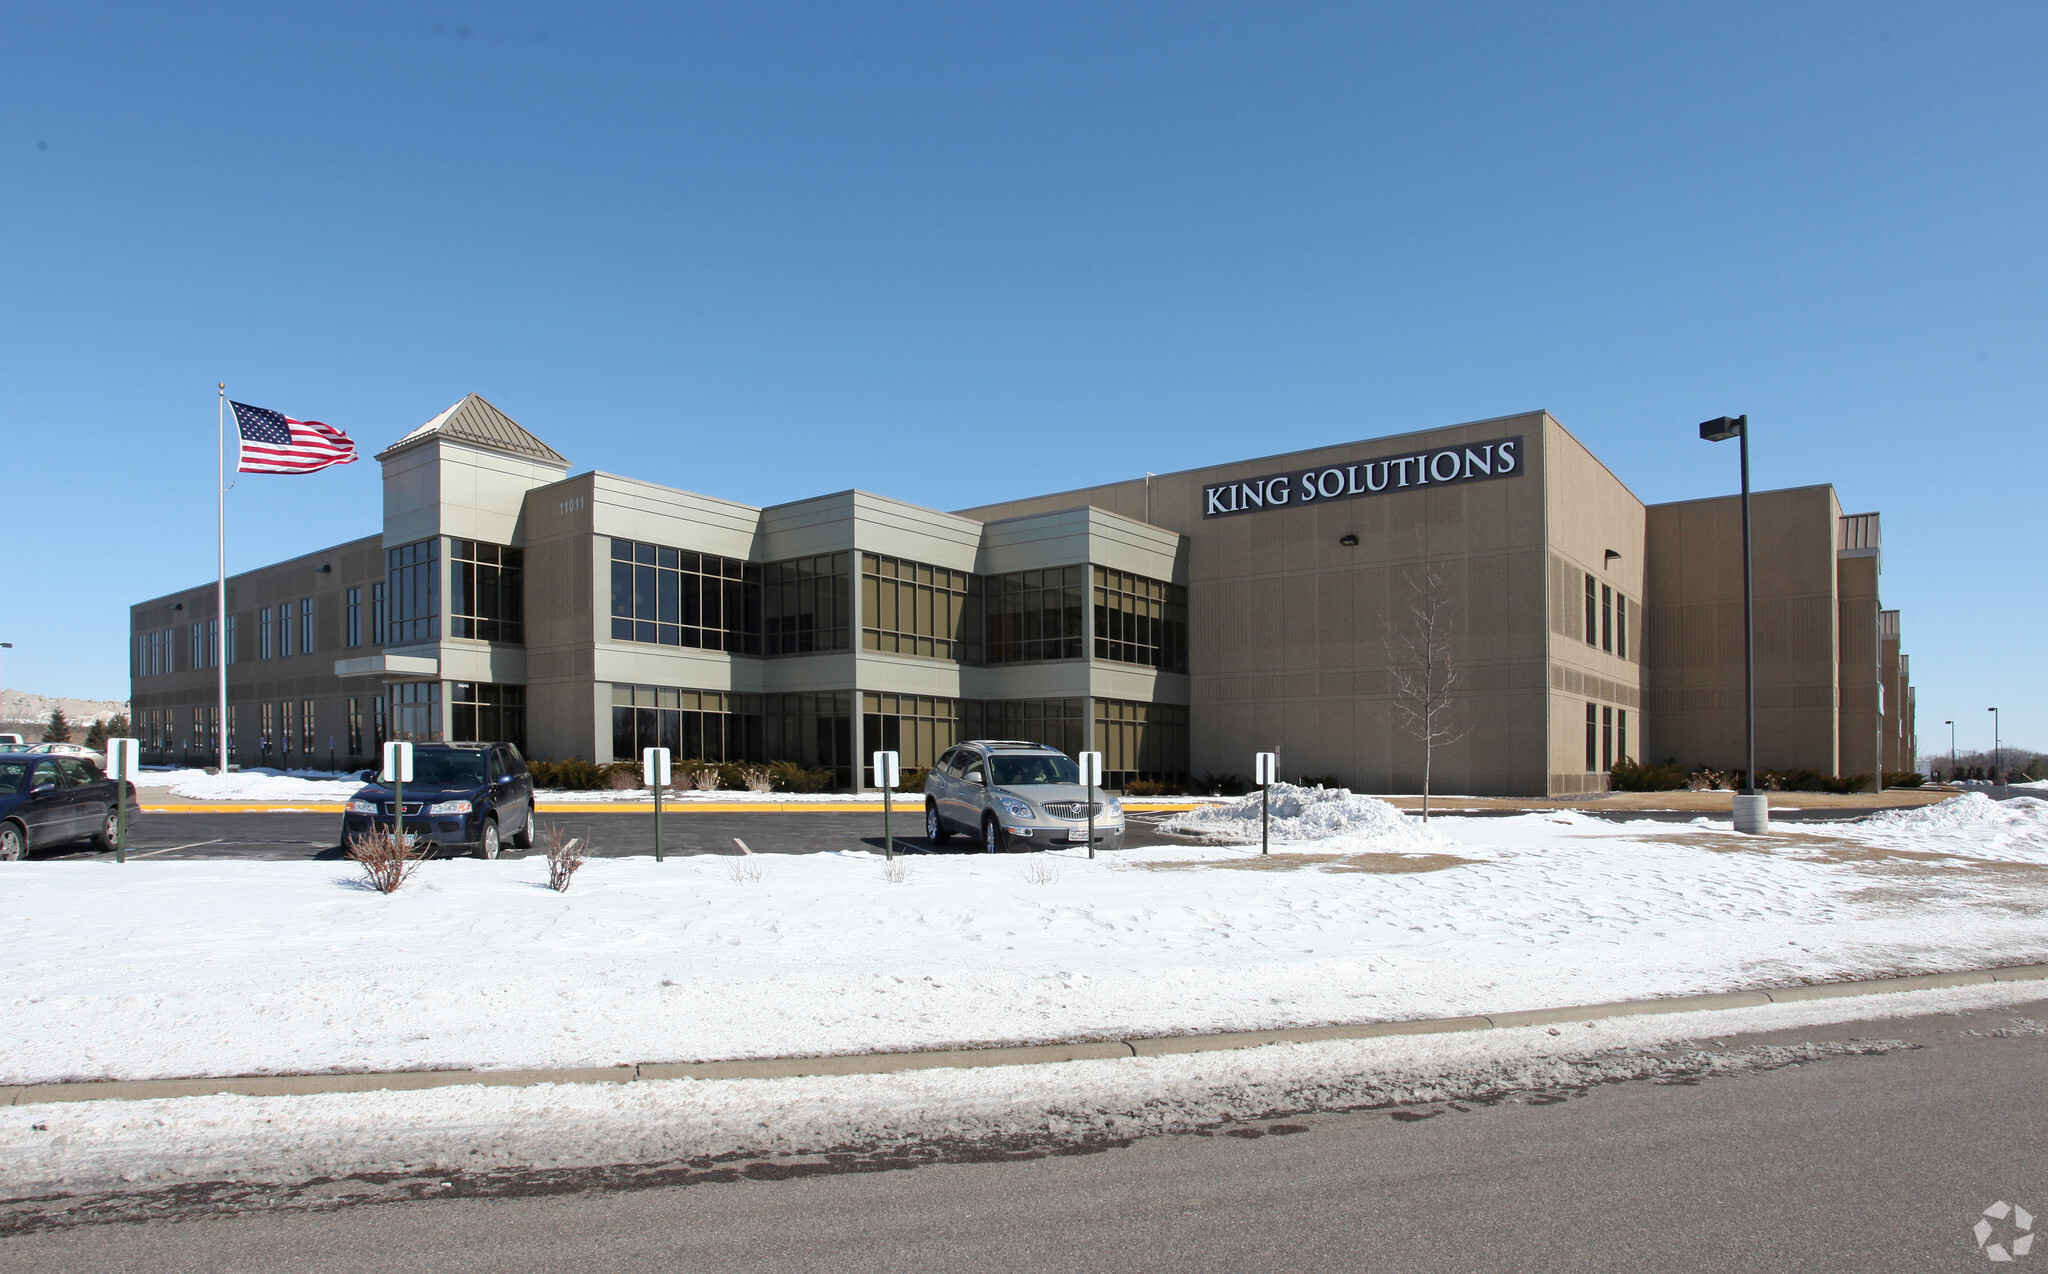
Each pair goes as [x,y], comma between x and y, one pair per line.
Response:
[41,788]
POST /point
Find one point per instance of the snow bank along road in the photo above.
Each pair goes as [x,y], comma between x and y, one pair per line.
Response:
[161,969]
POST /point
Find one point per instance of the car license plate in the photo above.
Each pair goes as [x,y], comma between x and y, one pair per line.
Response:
[1077,833]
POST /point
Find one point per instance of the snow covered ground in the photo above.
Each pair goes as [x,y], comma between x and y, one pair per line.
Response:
[159,968]
[119,1146]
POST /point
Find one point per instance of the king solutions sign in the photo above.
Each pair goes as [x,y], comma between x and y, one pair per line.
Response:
[1438,467]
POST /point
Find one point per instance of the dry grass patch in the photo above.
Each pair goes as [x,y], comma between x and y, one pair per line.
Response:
[1379,864]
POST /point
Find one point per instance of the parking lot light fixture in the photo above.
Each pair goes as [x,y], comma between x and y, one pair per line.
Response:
[1752,812]
[1996,768]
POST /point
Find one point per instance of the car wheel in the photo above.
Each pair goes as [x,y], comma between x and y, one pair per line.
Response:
[13,843]
[523,838]
[488,846]
[993,838]
[110,833]
[935,830]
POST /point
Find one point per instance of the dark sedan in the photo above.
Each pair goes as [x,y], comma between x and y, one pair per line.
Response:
[473,795]
[53,800]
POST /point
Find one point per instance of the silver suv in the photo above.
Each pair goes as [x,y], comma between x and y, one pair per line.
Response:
[1000,790]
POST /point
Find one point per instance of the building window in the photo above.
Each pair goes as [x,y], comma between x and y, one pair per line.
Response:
[197,739]
[230,649]
[1033,615]
[1592,737]
[1140,621]
[306,626]
[486,591]
[145,655]
[284,729]
[213,645]
[198,645]
[377,612]
[1606,619]
[669,597]
[1058,723]
[805,605]
[378,723]
[479,712]
[1141,741]
[233,712]
[1621,734]
[916,727]
[1606,738]
[1592,612]
[263,633]
[416,711]
[355,727]
[812,730]
[705,725]
[284,631]
[1620,626]
[910,608]
[414,573]
[269,738]
[308,736]
[354,618]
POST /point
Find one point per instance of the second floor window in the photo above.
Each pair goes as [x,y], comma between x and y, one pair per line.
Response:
[306,626]
[414,575]
[263,633]
[486,591]
[355,618]
[284,630]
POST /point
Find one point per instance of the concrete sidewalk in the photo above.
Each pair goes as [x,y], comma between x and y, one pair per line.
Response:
[887,1063]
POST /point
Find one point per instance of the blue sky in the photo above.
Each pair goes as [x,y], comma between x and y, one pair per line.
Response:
[960,253]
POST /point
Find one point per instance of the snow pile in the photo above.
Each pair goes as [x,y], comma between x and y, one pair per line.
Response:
[259,785]
[1310,814]
[1972,824]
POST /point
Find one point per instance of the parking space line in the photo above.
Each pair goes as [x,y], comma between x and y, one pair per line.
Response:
[170,848]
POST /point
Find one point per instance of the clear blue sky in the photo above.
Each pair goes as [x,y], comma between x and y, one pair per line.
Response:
[956,253]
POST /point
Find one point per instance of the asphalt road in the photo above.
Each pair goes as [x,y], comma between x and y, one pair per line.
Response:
[606,835]
[1851,1163]
[278,836]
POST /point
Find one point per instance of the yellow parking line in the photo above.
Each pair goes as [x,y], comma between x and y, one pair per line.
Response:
[611,807]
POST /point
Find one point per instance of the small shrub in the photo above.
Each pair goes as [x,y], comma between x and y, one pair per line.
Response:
[1706,779]
[702,775]
[896,870]
[388,862]
[1904,778]
[1847,785]
[1220,784]
[622,782]
[747,869]
[572,775]
[1144,787]
[1634,776]
[1328,782]
[1040,870]
[564,857]
[754,777]
[912,779]
[788,776]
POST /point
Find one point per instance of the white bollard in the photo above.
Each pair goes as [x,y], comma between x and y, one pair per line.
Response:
[1753,814]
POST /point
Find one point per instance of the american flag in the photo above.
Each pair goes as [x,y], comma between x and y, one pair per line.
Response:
[275,443]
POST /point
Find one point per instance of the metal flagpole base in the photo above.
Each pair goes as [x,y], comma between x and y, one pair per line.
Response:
[1753,814]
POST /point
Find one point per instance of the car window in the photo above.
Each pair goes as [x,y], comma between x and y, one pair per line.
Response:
[46,772]
[13,778]
[514,763]
[73,771]
[454,767]
[973,772]
[949,763]
[1033,769]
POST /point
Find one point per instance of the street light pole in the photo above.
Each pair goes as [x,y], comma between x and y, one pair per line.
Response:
[1951,750]
[1996,768]
[1752,810]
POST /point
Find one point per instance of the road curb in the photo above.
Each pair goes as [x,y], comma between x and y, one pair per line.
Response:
[1022,1055]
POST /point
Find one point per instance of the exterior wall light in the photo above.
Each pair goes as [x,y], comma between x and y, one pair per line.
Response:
[1349,541]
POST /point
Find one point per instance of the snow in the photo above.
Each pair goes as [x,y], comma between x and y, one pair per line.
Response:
[161,968]
[1309,814]
[126,1145]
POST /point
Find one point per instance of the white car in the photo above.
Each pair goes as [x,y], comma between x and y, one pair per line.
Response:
[11,742]
[71,749]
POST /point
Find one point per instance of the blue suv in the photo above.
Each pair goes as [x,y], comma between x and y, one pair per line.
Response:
[473,796]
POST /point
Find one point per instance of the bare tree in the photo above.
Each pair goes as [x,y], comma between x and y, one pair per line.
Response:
[1424,676]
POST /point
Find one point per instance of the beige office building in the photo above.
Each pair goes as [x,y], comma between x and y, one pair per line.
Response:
[1178,623]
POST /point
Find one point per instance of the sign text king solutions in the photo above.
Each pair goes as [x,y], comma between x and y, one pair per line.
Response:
[1443,466]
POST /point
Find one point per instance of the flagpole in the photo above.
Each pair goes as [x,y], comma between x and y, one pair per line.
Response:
[220,495]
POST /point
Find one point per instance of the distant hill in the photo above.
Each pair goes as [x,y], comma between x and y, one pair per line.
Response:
[24,713]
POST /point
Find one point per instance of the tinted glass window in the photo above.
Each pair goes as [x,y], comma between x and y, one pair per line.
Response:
[74,772]
[463,768]
[1025,771]
[13,777]
[46,772]
[973,774]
